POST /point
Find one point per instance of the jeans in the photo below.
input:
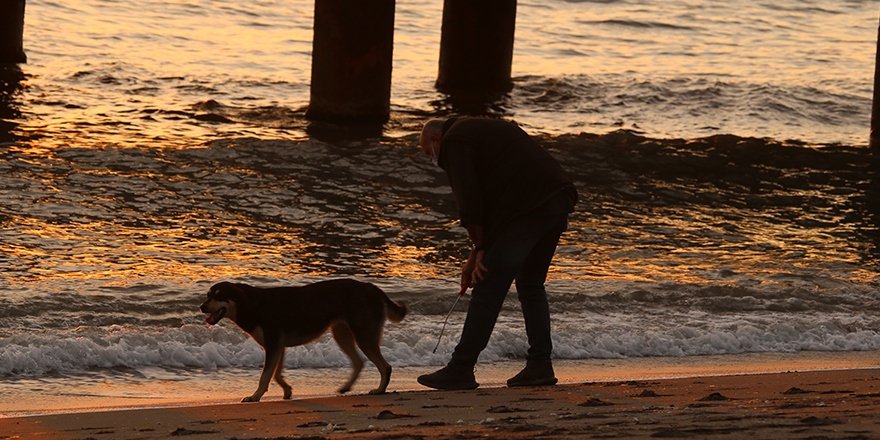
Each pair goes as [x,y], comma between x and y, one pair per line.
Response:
[521,252]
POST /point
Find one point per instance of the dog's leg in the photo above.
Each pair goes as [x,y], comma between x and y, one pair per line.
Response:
[345,338]
[374,353]
[369,340]
[274,355]
[279,378]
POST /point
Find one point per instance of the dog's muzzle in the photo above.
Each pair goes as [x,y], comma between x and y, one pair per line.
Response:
[215,316]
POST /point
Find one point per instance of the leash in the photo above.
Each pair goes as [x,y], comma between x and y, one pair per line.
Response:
[460,294]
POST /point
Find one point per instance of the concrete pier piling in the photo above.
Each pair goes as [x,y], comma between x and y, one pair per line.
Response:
[12,32]
[476,46]
[351,61]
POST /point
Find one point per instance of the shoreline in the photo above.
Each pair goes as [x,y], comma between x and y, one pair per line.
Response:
[163,389]
[822,404]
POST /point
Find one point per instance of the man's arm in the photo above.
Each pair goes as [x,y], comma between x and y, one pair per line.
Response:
[475,233]
[458,161]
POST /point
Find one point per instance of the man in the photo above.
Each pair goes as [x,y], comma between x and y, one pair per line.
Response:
[514,200]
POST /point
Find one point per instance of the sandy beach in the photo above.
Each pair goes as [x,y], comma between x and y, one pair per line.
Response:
[827,404]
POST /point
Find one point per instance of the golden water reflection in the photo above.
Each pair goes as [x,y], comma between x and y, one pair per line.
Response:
[649,213]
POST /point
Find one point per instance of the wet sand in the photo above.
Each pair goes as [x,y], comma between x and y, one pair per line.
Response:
[813,404]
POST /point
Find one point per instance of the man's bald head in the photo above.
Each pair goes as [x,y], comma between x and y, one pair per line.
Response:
[430,138]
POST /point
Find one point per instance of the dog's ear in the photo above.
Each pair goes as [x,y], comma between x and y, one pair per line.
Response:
[222,291]
[217,291]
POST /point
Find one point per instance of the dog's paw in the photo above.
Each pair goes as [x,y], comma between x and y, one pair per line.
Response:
[288,393]
[251,399]
[344,390]
[377,391]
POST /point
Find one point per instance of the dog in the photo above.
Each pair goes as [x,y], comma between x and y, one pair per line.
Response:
[281,317]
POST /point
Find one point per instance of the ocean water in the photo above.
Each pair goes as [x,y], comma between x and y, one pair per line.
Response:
[728,215]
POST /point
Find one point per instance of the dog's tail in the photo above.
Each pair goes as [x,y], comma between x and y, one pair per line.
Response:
[394,311]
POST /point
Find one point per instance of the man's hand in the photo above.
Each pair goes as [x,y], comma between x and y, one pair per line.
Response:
[474,270]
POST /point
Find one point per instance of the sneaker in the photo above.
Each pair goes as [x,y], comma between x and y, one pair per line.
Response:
[534,376]
[450,378]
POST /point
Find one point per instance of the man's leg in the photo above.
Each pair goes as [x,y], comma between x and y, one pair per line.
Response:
[532,294]
[524,242]
[487,297]
[536,310]
[503,261]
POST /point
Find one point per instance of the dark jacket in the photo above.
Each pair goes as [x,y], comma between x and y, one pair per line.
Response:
[498,172]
